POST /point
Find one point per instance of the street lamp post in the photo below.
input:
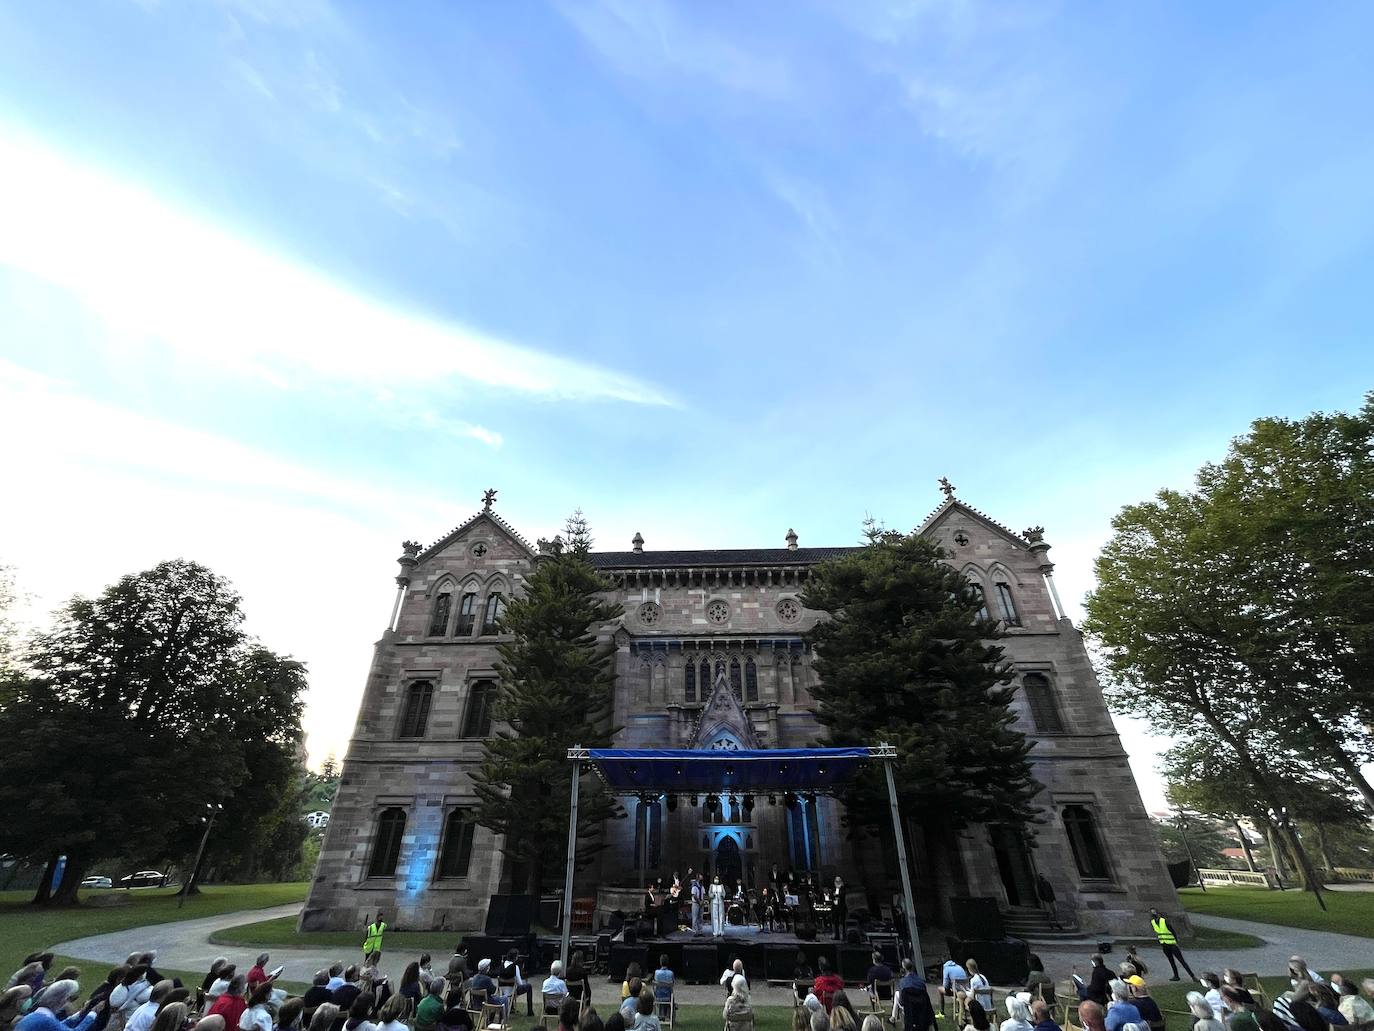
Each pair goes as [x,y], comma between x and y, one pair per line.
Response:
[1188,847]
[214,809]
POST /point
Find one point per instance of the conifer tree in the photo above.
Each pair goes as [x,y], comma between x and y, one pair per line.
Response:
[906,658]
[556,690]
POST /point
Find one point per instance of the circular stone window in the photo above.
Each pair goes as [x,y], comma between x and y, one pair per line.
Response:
[479,549]
[650,614]
[718,612]
[789,610]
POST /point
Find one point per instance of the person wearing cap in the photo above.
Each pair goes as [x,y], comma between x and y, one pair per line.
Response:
[482,982]
[1144,1002]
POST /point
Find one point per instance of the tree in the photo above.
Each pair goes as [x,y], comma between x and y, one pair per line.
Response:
[556,691]
[905,657]
[9,631]
[143,704]
[329,769]
[1204,837]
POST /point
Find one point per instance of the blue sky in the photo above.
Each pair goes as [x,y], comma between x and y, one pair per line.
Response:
[282,283]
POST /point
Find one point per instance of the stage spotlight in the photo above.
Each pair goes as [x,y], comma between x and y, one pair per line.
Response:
[789,800]
[748,805]
[694,801]
[712,804]
[772,799]
[672,803]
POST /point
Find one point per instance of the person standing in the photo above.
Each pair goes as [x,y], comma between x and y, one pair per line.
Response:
[717,907]
[1168,941]
[1044,890]
[698,893]
[841,911]
[372,944]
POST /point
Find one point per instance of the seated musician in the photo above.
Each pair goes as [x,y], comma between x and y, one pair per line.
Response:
[766,909]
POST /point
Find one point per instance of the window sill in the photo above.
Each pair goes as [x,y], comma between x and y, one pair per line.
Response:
[1098,887]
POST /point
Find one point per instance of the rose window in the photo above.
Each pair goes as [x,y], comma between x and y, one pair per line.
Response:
[650,614]
[718,612]
[789,610]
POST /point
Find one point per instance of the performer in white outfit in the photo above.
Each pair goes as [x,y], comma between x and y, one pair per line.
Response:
[697,892]
[717,907]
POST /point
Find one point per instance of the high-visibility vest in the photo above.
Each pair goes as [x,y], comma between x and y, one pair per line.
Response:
[1162,932]
[373,941]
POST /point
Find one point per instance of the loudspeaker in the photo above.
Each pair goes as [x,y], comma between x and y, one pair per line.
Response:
[752,954]
[779,962]
[1002,962]
[631,935]
[699,964]
[854,962]
[509,915]
[806,932]
[976,917]
[622,956]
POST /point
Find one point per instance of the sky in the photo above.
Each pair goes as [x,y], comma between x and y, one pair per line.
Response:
[285,283]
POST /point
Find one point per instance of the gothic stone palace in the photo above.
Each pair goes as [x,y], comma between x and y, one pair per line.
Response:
[709,654]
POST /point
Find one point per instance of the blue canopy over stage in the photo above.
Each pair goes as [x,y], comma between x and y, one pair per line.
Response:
[688,770]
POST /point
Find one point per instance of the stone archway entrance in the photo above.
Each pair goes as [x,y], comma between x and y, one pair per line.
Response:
[729,866]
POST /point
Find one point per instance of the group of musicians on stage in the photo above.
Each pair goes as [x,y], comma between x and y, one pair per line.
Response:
[787,900]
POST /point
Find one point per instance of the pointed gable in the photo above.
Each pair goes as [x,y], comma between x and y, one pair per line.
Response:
[953,506]
[501,527]
[723,719]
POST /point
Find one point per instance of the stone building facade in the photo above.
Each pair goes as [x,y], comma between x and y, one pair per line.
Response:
[710,654]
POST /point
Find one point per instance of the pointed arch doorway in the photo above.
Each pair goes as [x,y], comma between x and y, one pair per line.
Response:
[728,863]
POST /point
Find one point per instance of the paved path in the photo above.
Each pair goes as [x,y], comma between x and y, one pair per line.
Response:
[1323,950]
[186,946]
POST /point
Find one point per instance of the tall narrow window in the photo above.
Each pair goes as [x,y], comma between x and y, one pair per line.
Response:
[386,849]
[648,834]
[467,615]
[982,600]
[735,683]
[481,698]
[438,623]
[496,608]
[707,685]
[1040,700]
[751,681]
[689,681]
[456,852]
[1007,604]
[415,716]
[1086,843]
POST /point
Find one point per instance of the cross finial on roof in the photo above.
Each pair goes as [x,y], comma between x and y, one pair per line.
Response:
[488,497]
[946,486]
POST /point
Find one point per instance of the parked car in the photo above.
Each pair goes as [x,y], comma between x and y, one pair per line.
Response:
[143,879]
[96,880]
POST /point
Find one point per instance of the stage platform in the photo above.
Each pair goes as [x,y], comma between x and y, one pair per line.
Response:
[734,933]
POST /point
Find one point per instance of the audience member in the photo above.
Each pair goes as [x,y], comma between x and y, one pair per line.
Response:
[1042,1017]
[258,974]
[1147,1007]
[257,1016]
[336,978]
[511,972]
[1121,1010]
[827,983]
[232,1002]
[431,1007]
[1039,985]
[1092,1016]
[663,980]
[978,1019]
[1018,1015]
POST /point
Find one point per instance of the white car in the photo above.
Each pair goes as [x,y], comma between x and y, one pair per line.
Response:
[97,881]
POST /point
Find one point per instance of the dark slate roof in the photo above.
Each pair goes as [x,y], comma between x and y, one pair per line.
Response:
[711,559]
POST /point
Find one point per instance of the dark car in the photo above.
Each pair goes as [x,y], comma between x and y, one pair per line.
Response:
[144,879]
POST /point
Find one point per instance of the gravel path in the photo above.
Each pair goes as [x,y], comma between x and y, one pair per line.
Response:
[186,946]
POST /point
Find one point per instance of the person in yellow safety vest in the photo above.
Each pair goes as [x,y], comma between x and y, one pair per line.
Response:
[1168,941]
[372,944]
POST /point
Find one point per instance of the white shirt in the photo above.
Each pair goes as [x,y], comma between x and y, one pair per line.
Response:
[555,986]
[256,1018]
[143,1017]
[1217,1003]
[729,975]
[393,1025]
[981,990]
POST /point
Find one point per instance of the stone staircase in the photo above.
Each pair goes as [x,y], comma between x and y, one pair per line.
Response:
[1034,926]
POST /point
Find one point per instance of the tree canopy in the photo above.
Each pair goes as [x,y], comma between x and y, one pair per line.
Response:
[556,690]
[905,657]
[142,705]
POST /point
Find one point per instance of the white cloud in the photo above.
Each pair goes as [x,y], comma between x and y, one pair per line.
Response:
[252,77]
[232,304]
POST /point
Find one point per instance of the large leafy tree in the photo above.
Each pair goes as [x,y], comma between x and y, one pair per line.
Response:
[556,691]
[142,705]
[905,657]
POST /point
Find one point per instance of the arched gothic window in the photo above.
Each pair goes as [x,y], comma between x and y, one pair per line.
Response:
[496,608]
[386,848]
[415,715]
[481,700]
[455,854]
[707,685]
[751,681]
[735,682]
[1044,710]
[977,589]
[689,681]
[1006,604]
[467,615]
[1086,843]
[438,622]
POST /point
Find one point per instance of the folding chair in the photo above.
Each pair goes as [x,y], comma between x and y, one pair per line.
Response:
[665,1008]
[800,990]
[1252,984]
[494,1016]
[553,1002]
[876,996]
[477,1001]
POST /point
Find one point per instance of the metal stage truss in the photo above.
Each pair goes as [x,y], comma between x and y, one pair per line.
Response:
[633,771]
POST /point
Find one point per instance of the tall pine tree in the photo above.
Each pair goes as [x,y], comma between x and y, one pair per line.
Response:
[905,658]
[556,690]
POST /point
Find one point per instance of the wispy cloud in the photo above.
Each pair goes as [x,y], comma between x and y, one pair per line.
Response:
[233,303]
[252,77]
[648,38]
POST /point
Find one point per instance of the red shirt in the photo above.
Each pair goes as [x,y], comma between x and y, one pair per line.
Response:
[256,976]
[230,1007]
[825,988]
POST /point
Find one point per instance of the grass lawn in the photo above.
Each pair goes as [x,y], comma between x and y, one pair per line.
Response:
[282,932]
[1348,912]
[25,928]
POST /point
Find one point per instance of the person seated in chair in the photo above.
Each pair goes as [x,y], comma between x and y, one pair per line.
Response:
[827,983]
[663,980]
[1140,995]
[1037,981]
[519,986]
[1041,1018]
[878,971]
[482,982]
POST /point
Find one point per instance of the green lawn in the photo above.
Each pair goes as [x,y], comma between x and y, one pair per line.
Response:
[282,932]
[1348,912]
[25,928]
